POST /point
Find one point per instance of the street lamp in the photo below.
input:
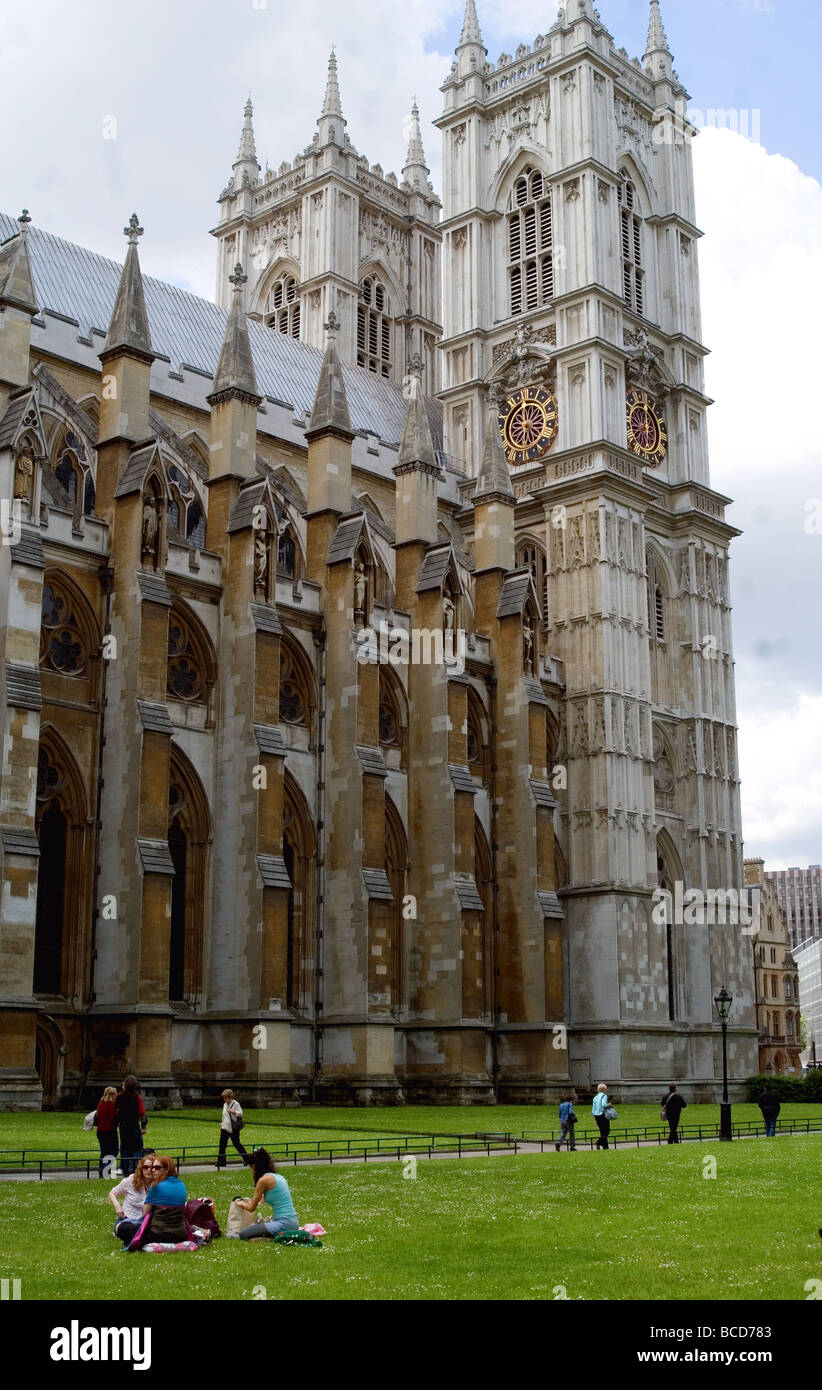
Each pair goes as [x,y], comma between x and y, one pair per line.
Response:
[724,1003]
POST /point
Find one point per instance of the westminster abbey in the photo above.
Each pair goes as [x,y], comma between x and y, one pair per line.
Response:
[234,852]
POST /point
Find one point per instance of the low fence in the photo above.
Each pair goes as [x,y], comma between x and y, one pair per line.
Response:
[42,1162]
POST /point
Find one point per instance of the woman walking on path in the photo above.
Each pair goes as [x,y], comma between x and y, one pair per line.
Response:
[272,1188]
[230,1126]
[106,1123]
[130,1114]
[600,1105]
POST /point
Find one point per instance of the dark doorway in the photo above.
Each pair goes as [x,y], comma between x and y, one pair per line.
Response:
[290,860]
[178,845]
[51,882]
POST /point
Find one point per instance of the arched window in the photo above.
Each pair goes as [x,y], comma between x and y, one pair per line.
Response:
[530,554]
[68,474]
[289,976]
[89,496]
[295,690]
[190,672]
[282,307]
[189,837]
[195,526]
[287,555]
[374,327]
[530,243]
[633,274]
[64,644]
[63,880]
[478,749]
[392,724]
[396,867]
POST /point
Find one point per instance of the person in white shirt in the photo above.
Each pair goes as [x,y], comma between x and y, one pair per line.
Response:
[230,1128]
[128,1197]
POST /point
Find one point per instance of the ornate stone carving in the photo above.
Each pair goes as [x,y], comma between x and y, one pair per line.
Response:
[24,474]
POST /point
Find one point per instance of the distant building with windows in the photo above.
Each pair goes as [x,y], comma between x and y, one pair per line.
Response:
[809,966]
[800,897]
[776,977]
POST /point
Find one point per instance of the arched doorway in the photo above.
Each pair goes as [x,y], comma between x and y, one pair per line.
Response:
[189,842]
[396,868]
[49,1055]
[299,852]
[482,1003]
[669,873]
[61,915]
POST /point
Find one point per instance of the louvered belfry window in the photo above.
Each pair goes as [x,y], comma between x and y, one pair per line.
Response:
[633,273]
[374,327]
[530,244]
[282,307]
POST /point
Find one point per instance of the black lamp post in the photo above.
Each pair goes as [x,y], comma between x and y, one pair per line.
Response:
[724,1002]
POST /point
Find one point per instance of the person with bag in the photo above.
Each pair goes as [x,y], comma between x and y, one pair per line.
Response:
[269,1187]
[130,1113]
[127,1199]
[230,1126]
[603,1112]
[671,1110]
[105,1122]
[164,1207]
[567,1120]
[770,1107]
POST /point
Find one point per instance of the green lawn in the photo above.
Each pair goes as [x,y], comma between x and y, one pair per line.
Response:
[624,1225]
[198,1127]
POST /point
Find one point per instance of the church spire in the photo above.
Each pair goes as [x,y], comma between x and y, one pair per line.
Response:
[470,25]
[417,445]
[658,57]
[494,476]
[128,329]
[246,162]
[16,280]
[332,122]
[330,411]
[416,170]
[235,369]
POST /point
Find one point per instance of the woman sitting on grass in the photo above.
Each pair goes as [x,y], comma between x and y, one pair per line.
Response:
[165,1201]
[272,1188]
[127,1199]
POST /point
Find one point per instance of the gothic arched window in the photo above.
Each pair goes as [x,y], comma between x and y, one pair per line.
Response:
[63,645]
[187,677]
[533,555]
[89,496]
[633,274]
[287,555]
[374,327]
[68,476]
[195,526]
[530,243]
[294,695]
[282,307]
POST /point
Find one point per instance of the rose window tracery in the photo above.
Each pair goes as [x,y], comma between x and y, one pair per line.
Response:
[62,645]
[185,679]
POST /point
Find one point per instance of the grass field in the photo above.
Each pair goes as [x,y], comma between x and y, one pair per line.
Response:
[625,1225]
[199,1126]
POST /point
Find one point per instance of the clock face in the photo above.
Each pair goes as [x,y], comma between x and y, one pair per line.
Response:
[528,422]
[647,436]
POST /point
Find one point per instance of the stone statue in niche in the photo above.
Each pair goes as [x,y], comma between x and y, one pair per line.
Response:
[24,474]
[360,590]
[528,647]
[449,614]
[260,559]
[150,526]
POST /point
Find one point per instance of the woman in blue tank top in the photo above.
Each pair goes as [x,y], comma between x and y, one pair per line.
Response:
[271,1188]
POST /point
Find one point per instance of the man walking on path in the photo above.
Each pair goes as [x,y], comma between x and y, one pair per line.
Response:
[770,1107]
[672,1108]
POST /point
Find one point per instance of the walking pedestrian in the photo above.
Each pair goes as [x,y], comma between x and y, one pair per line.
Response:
[130,1113]
[230,1126]
[672,1107]
[600,1105]
[106,1124]
[770,1107]
[567,1120]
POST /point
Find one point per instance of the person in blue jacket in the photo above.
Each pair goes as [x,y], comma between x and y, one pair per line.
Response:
[567,1120]
[600,1105]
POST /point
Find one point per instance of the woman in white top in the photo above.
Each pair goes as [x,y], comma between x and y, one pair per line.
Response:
[128,1197]
[232,1113]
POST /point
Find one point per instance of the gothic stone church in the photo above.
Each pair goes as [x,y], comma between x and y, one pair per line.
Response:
[426,881]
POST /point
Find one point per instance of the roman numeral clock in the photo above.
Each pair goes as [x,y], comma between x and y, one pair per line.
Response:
[528,421]
[647,435]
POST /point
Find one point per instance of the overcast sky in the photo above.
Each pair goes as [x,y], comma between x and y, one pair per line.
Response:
[168,81]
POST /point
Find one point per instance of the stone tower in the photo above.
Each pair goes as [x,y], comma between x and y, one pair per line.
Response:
[571,302]
[332,233]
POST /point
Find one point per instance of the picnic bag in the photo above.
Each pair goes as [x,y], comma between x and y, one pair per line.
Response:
[91,1119]
[238,1219]
[200,1213]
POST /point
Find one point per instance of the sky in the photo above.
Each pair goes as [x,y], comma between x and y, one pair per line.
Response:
[108,107]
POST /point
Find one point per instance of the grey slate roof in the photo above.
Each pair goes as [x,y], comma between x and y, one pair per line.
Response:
[29,549]
[372,761]
[17,840]
[535,692]
[186,330]
[435,566]
[543,795]
[155,717]
[345,538]
[23,689]
[470,900]
[515,589]
[375,882]
[153,588]
[155,857]
[273,872]
[550,904]
[242,513]
[461,778]
[265,619]
[134,472]
[270,740]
